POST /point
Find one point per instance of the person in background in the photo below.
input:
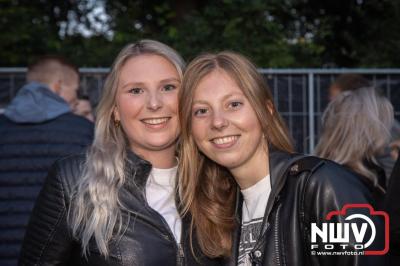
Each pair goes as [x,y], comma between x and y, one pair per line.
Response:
[355,131]
[350,82]
[36,129]
[84,108]
[347,82]
[116,204]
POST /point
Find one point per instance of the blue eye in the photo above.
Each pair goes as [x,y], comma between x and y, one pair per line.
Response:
[136,91]
[169,87]
[200,112]
[235,104]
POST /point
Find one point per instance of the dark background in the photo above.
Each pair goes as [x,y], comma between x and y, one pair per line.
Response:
[290,34]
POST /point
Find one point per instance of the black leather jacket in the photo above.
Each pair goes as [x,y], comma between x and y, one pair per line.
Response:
[298,199]
[147,239]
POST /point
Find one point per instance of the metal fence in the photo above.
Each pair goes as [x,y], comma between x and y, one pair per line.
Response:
[301,95]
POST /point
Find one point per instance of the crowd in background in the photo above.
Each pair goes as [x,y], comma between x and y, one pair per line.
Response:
[47,120]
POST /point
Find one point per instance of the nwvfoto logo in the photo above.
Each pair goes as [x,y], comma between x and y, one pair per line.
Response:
[337,235]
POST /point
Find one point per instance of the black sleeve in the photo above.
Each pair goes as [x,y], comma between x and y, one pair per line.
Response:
[48,240]
[393,208]
[329,189]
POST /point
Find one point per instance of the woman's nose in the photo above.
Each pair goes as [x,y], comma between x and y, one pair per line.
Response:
[219,121]
[154,102]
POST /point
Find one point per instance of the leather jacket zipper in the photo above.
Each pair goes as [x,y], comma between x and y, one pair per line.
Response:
[260,244]
[276,237]
[180,254]
[168,236]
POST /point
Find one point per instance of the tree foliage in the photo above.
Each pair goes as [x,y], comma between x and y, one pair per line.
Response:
[275,33]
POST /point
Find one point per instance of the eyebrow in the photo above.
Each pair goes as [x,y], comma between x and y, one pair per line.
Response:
[170,80]
[223,98]
[132,84]
[200,102]
[142,84]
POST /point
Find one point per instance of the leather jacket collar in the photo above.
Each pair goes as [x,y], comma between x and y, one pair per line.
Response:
[137,170]
[278,162]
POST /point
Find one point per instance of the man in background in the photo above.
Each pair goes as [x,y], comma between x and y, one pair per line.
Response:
[36,128]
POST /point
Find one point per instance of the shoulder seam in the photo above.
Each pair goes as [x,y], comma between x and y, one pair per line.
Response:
[60,215]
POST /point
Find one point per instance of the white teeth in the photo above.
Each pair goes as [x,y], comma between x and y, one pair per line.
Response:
[155,121]
[224,140]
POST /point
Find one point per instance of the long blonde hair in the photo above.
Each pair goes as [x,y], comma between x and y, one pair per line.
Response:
[95,210]
[356,127]
[207,189]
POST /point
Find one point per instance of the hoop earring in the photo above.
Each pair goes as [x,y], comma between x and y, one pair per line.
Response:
[117,124]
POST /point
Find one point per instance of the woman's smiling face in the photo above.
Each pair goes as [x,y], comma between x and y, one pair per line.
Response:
[224,125]
[147,103]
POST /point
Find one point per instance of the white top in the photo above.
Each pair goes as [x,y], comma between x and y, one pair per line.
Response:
[160,195]
[255,199]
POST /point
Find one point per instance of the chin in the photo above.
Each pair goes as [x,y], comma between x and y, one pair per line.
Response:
[231,162]
[161,144]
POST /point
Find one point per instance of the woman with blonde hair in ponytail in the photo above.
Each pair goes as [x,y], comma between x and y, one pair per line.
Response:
[251,198]
[116,205]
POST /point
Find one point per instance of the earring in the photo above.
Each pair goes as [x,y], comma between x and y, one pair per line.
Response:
[117,124]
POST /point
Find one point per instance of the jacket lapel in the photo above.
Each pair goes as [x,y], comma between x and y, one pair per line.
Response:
[137,172]
[279,161]
[279,164]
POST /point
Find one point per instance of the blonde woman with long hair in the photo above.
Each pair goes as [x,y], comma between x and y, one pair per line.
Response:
[355,130]
[250,197]
[116,205]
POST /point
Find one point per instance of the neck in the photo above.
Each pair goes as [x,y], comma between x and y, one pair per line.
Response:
[162,159]
[249,173]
